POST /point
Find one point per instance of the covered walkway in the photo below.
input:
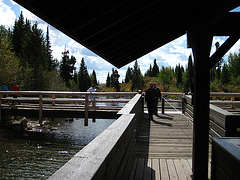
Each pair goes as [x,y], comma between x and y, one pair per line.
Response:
[164,148]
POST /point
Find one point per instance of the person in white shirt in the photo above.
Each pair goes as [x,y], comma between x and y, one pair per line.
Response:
[92,97]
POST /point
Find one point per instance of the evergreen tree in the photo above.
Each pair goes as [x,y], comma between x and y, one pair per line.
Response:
[49,57]
[114,80]
[108,81]
[234,64]
[67,67]
[149,72]
[18,38]
[225,78]
[179,74]
[155,69]
[94,78]
[84,81]
[188,85]
[137,79]
[129,75]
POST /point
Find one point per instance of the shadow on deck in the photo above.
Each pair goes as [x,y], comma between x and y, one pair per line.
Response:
[164,148]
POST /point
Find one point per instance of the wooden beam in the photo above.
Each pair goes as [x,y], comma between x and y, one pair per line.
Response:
[223,49]
[201,45]
[226,26]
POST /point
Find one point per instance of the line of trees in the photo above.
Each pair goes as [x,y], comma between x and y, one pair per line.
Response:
[26,57]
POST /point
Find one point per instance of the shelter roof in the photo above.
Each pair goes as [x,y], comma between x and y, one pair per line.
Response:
[123,31]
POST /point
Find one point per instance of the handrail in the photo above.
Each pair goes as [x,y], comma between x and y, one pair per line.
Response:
[72,97]
[109,155]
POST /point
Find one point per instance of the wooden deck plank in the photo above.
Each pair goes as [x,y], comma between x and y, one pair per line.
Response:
[187,168]
[156,168]
[179,168]
[171,169]
[164,169]
[166,145]
[168,136]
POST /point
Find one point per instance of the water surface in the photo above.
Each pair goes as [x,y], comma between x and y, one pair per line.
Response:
[39,155]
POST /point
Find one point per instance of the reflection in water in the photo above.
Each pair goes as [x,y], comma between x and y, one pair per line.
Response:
[39,155]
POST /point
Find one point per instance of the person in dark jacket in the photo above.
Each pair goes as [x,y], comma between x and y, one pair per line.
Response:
[159,97]
[150,97]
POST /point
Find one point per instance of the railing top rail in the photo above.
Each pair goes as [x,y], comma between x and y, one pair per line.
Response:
[172,94]
[69,93]
[219,94]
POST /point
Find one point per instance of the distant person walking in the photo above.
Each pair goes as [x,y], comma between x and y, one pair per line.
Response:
[15,88]
[159,97]
[4,88]
[92,97]
[150,97]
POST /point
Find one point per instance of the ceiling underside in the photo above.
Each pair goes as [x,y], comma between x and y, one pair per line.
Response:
[123,31]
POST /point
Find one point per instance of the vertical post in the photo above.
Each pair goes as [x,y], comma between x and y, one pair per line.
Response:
[201,46]
[232,105]
[162,105]
[53,97]
[0,108]
[86,111]
[40,109]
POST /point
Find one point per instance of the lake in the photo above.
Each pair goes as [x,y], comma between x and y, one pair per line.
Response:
[39,155]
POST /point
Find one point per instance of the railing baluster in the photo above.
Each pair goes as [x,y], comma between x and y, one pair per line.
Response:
[40,109]
[86,111]
[0,108]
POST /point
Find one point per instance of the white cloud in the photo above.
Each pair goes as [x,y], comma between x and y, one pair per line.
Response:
[7,15]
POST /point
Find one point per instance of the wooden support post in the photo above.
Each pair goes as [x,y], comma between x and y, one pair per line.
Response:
[232,105]
[162,105]
[0,108]
[40,109]
[53,97]
[201,46]
[86,111]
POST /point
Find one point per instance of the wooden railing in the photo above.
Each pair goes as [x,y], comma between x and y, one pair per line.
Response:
[111,154]
[41,100]
[225,99]
[222,123]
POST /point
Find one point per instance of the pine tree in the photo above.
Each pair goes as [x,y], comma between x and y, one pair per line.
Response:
[84,81]
[108,81]
[114,80]
[155,69]
[189,80]
[137,79]
[67,67]
[49,56]
[179,70]
[18,38]
[129,75]
[225,78]
[149,72]
[94,77]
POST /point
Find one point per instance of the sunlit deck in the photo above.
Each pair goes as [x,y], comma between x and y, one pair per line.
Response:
[164,148]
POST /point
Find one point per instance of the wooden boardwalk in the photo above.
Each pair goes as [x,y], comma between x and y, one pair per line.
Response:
[164,148]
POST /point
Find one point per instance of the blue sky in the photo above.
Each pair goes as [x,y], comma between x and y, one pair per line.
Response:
[169,55]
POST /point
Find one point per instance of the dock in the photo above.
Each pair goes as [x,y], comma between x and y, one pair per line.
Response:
[133,147]
[164,148]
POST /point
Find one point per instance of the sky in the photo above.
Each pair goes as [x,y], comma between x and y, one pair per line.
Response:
[170,54]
